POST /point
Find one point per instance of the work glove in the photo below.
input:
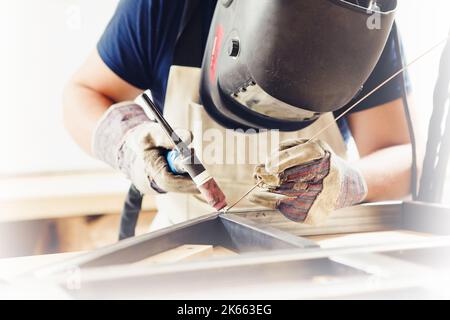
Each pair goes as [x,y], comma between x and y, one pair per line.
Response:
[306,181]
[127,140]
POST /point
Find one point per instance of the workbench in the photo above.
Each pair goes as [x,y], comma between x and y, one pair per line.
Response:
[63,212]
[38,197]
[13,267]
[334,261]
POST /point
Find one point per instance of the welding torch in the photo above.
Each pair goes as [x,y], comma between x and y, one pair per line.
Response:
[183,160]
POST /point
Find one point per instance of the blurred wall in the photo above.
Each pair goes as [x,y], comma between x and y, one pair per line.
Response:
[423,24]
[43,42]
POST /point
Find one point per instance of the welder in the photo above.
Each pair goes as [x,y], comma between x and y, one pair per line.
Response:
[262,70]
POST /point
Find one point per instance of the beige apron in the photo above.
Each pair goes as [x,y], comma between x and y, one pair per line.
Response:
[230,162]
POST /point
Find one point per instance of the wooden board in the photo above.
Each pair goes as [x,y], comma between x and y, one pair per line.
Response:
[367,239]
[187,253]
[89,233]
[182,253]
[221,252]
[66,195]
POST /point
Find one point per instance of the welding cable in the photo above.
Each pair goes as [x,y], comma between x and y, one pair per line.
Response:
[130,213]
[406,106]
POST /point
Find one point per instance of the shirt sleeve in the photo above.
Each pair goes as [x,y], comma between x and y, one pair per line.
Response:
[125,46]
[390,62]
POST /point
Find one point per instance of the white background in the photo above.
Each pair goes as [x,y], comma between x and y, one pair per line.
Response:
[44,41]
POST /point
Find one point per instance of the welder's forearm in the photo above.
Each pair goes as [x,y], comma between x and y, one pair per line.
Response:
[387,173]
[83,108]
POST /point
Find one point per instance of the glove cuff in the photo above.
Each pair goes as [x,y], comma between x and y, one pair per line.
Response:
[353,185]
[109,134]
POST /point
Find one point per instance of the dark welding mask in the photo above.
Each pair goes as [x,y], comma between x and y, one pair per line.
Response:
[280,64]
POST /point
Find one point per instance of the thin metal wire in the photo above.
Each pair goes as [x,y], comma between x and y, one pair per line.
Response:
[402,70]
[242,198]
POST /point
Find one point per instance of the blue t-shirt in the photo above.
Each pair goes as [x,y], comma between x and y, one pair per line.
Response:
[139,43]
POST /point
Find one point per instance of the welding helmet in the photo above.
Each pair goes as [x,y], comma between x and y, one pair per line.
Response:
[280,64]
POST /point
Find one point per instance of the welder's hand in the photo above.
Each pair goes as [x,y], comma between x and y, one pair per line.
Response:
[306,181]
[127,140]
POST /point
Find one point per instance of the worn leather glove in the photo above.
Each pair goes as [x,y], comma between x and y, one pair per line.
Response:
[127,140]
[306,181]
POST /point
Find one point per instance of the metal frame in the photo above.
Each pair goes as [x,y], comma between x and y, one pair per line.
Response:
[407,215]
[364,218]
[388,270]
[227,230]
[426,217]
[269,256]
[255,231]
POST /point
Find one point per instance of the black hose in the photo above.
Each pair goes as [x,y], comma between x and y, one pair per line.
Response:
[130,213]
[414,168]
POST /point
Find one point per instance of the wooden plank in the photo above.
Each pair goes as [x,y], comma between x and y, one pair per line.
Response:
[89,233]
[182,253]
[367,239]
[65,195]
[221,252]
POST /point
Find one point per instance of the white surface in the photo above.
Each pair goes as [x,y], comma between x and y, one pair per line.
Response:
[422,25]
[13,267]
